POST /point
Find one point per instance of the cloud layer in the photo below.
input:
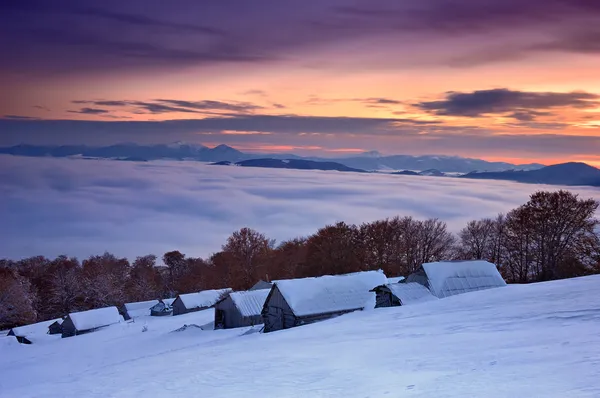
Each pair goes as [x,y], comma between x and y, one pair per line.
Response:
[84,207]
[183,33]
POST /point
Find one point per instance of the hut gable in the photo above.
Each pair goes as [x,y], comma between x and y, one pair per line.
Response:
[141,308]
[86,321]
[298,301]
[55,327]
[396,294]
[240,309]
[455,277]
[185,303]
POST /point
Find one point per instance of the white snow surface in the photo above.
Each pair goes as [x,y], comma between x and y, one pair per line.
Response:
[205,298]
[140,308]
[250,303]
[447,278]
[92,319]
[395,279]
[539,340]
[325,294]
[410,293]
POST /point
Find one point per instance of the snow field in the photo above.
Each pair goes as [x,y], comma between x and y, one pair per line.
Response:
[540,340]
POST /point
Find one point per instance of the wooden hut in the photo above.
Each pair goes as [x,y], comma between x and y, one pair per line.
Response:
[162,308]
[448,278]
[28,334]
[397,294]
[88,321]
[185,303]
[239,309]
[55,327]
[296,302]
[135,310]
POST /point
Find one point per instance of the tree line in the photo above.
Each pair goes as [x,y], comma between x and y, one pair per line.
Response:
[554,235]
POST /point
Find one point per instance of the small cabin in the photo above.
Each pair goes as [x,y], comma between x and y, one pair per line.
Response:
[28,334]
[296,302]
[185,303]
[55,327]
[397,294]
[448,278]
[135,310]
[77,323]
[162,308]
[239,309]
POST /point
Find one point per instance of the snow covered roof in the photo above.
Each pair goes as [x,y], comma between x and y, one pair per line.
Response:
[205,298]
[92,319]
[35,329]
[396,279]
[168,301]
[325,294]
[250,303]
[454,277]
[140,308]
[410,293]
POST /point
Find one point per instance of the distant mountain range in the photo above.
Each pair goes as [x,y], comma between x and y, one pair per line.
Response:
[297,164]
[182,151]
[559,174]
[426,173]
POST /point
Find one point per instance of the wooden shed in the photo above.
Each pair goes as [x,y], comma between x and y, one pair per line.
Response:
[88,321]
[162,308]
[55,327]
[296,302]
[137,309]
[448,278]
[29,334]
[239,309]
[397,294]
[185,303]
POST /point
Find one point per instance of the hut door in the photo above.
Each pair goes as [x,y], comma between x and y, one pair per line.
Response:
[220,319]
[278,319]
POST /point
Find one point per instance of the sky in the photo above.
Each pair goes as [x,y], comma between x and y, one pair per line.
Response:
[79,207]
[494,79]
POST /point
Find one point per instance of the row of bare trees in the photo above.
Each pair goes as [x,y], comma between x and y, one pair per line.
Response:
[554,235]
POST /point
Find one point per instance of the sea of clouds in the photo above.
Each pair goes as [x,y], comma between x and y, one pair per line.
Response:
[81,207]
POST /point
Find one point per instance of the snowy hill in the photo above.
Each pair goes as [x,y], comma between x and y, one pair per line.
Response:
[538,340]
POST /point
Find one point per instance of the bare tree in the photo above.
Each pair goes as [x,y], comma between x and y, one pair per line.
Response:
[333,250]
[145,281]
[477,239]
[248,252]
[16,300]
[552,236]
[104,279]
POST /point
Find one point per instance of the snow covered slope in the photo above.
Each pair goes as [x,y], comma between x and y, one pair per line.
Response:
[539,340]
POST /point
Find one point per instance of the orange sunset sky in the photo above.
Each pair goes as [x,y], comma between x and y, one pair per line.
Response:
[496,80]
